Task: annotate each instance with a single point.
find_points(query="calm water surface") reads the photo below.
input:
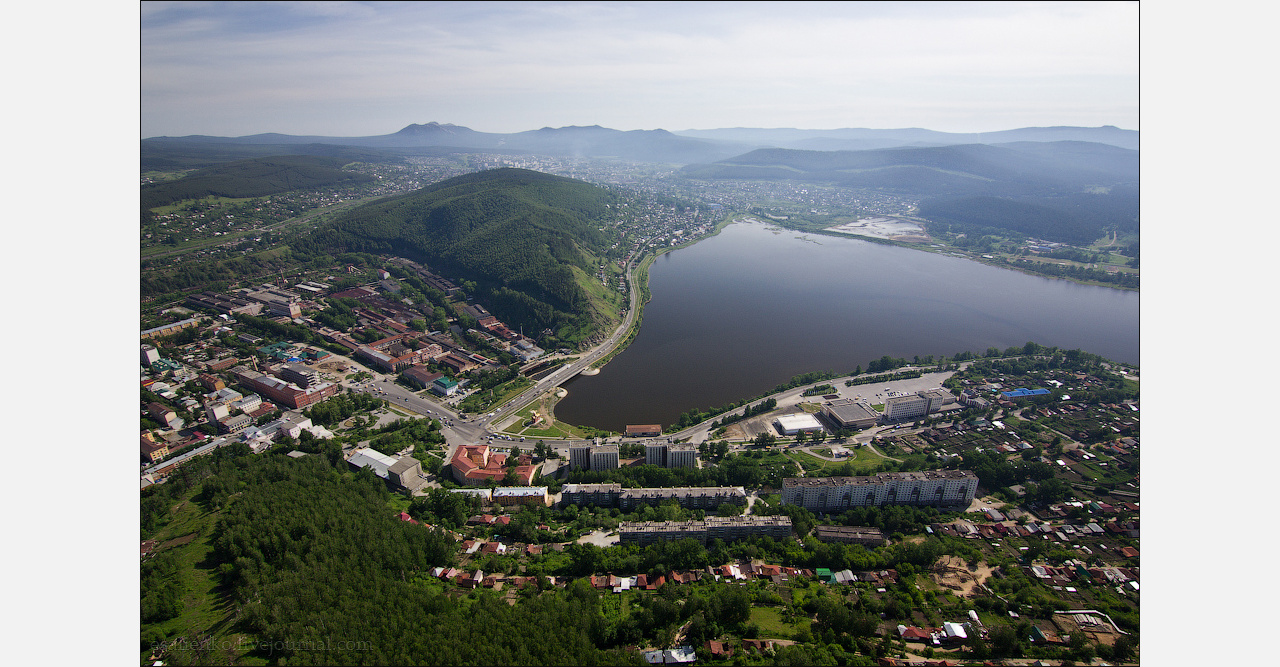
(739, 313)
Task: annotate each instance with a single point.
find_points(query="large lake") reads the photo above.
(737, 314)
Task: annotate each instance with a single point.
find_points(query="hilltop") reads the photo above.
(527, 240)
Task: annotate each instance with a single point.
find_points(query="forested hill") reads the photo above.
(255, 177)
(515, 233)
(1021, 168)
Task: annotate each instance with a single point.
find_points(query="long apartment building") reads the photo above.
(689, 497)
(864, 535)
(710, 528)
(836, 494)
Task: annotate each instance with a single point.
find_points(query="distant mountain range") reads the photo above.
(686, 147)
(1060, 183)
(866, 139)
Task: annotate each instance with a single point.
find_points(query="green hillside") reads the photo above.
(516, 234)
(257, 177)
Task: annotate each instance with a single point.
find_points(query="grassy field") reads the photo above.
(772, 625)
(210, 200)
(863, 460)
(556, 430)
(206, 607)
(544, 429)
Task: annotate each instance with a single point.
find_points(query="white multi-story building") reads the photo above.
(604, 457)
(682, 456)
(671, 456)
(906, 406)
(835, 494)
(579, 457)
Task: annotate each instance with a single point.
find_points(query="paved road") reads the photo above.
(568, 371)
(477, 429)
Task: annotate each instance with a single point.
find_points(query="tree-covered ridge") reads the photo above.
(1007, 169)
(256, 177)
(516, 233)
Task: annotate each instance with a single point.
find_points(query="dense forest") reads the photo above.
(314, 569)
(1078, 219)
(256, 177)
(517, 234)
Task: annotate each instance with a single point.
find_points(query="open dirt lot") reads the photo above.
(953, 573)
(1099, 633)
(884, 227)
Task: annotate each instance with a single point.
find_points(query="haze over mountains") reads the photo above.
(685, 147)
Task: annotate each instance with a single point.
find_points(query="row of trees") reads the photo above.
(748, 412)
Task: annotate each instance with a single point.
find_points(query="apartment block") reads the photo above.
(836, 494)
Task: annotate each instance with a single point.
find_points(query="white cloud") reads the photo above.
(646, 65)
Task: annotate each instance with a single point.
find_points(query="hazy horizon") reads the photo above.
(674, 131)
(365, 69)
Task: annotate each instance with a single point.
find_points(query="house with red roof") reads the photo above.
(719, 649)
(475, 465)
(472, 580)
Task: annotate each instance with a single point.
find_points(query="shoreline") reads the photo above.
(949, 251)
(639, 277)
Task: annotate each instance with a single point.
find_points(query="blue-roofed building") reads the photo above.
(1023, 393)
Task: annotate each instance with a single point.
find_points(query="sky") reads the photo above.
(369, 68)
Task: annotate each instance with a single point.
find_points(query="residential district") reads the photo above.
(1027, 457)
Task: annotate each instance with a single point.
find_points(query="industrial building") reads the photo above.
(850, 413)
(797, 423)
(835, 494)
